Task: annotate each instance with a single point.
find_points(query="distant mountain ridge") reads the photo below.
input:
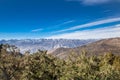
(45, 44)
(111, 45)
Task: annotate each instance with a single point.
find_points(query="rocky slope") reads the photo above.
(111, 45)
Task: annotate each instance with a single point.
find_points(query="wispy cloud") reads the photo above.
(36, 30)
(67, 22)
(61, 24)
(117, 25)
(107, 11)
(94, 2)
(107, 32)
(91, 24)
(64, 23)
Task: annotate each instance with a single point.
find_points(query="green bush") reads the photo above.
(42, 66)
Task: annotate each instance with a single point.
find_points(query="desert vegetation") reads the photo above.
(43, 66)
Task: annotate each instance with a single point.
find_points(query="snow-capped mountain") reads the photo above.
(45, 44)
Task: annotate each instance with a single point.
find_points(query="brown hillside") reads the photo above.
(96, 48)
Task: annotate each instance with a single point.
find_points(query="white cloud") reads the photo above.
(94, 2)
(36, 30)
(92, 24)
(117, 25)
(107, 32)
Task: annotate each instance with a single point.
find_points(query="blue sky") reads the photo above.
(70, 19)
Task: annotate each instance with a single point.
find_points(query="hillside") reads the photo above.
(96, 48)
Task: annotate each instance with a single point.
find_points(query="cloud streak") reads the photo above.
(37, 30)
(64, 23)
(94, 2)
(107, 32)
(91, 24)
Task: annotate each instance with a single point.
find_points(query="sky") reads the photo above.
(68, 19)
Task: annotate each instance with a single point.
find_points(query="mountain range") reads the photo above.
(63, 47)
(45, 44)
